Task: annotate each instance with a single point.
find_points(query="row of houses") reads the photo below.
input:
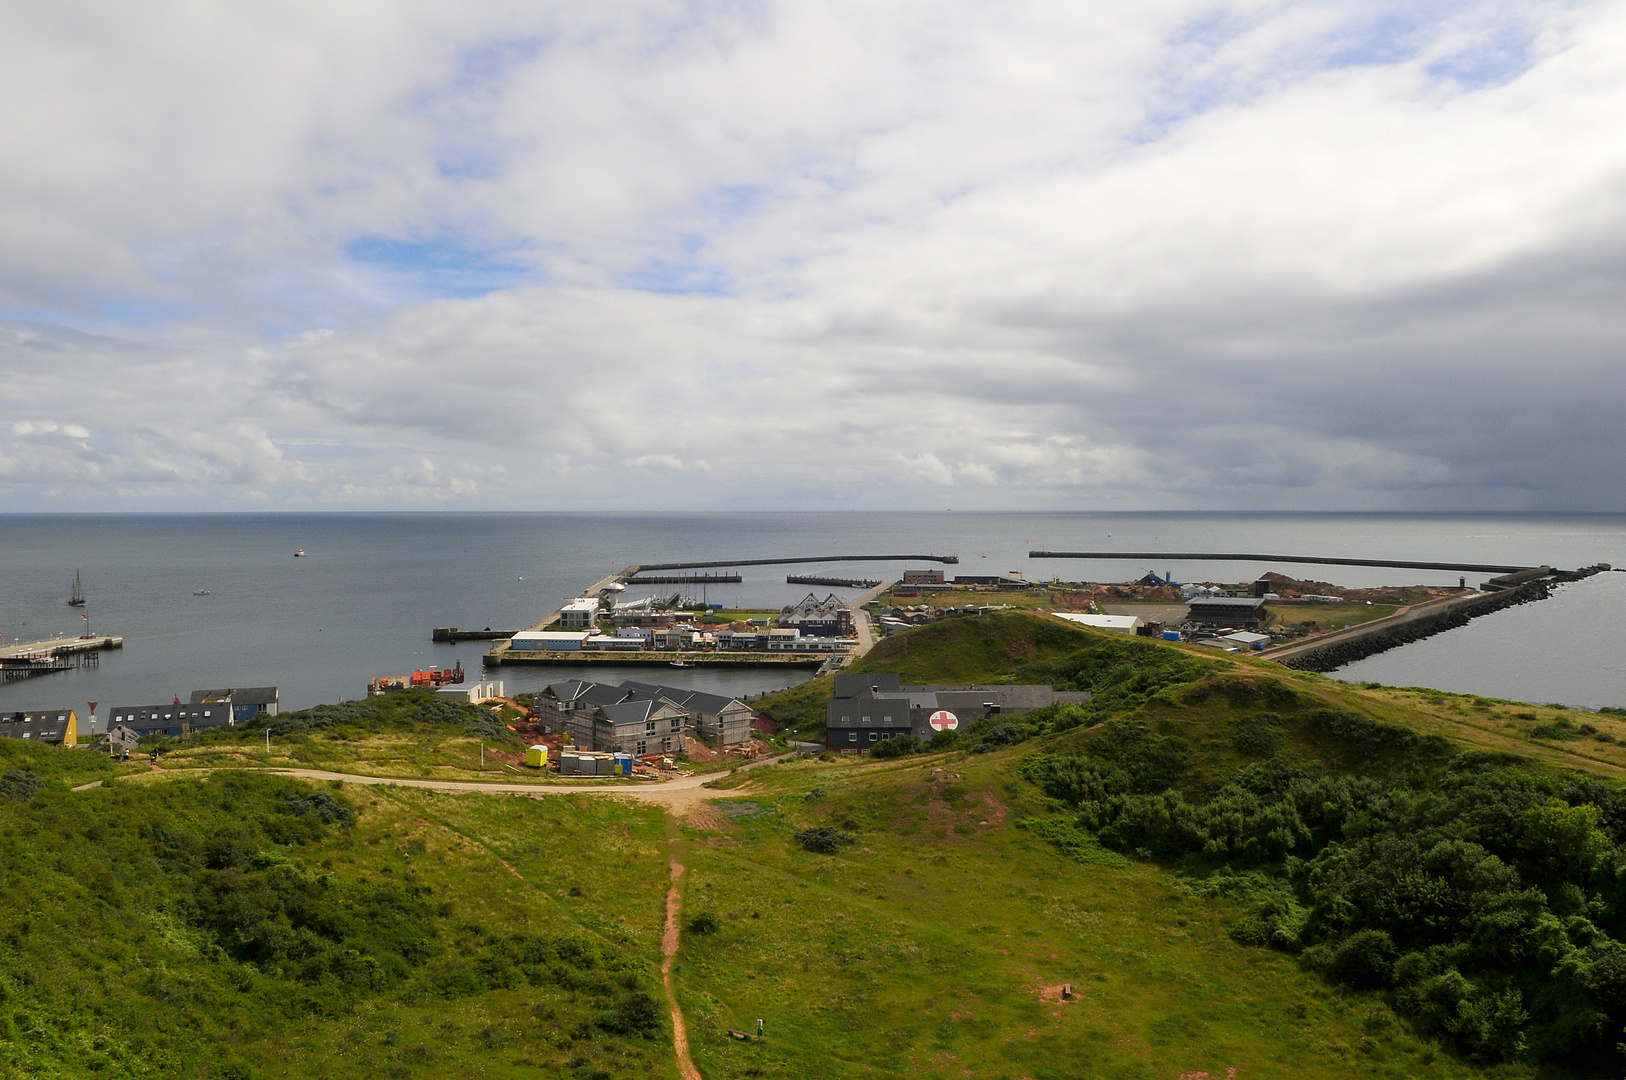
(640, 718)
(868, 709)
(206, 709)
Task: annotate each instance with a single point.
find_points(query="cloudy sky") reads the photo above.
(745, 253)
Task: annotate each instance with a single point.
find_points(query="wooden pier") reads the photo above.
(24, 661)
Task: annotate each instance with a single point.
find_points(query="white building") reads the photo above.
(580, 613)
(1124, 624)
(473, 693)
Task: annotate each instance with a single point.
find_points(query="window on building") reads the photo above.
(643, 748)
(666, 744)
(852, 736)
(677, 725)
(649, 727)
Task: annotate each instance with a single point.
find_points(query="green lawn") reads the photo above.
(938, 943)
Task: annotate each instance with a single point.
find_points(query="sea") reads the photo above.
(207, 601)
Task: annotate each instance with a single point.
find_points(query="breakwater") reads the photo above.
(831, 582)
(643, 568)
(1425, 620)
(1314, 560)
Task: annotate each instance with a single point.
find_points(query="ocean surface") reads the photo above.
(373, 586)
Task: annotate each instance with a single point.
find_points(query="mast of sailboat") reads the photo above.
(77, 599)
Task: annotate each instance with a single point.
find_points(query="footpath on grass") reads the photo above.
(678, 795)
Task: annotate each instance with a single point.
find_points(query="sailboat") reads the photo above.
(77, 598)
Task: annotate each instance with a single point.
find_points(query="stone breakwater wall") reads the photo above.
(1351, 647)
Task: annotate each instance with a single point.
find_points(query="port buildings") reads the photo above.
(868, 709)
(598, 716)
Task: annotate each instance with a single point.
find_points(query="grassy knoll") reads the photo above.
(248, 926)
(938, 943)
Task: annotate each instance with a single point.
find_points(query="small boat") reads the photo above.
(77, 597)
(300, 554)
(200, 592)
(681, 663)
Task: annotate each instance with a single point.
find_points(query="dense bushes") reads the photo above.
(824, 840)
(1486, 898)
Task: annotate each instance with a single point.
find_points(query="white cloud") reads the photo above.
(647, 254)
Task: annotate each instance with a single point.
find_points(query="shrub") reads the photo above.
(901, 746)
(706, 922)
(1258, 736)
(824, 840)
(1365, 960)
(20, 785)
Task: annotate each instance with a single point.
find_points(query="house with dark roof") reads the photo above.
(175, 720)
(246, 701)
(868, 709)
(53, 727)
(717, 719)
(639, 727)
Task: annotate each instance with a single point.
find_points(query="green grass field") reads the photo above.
(938, 945)
(1173, 850)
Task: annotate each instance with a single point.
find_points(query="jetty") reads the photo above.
(25, 660)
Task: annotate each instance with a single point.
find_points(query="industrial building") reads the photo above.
(53, 727)
(870, 708)
(1235, 611)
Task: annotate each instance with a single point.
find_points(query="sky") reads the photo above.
(813, 255)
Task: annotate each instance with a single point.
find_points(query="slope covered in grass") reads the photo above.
(250, 926)
(1457, 859)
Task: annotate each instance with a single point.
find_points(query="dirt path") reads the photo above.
(680, 795)
(669, 947)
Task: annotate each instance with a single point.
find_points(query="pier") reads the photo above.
(24, 661)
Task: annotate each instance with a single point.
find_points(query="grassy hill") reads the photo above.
(1235, 866)
(246, 925)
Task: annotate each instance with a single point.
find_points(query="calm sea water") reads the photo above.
(373, 586)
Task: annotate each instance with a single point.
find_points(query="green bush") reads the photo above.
(824, 840)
